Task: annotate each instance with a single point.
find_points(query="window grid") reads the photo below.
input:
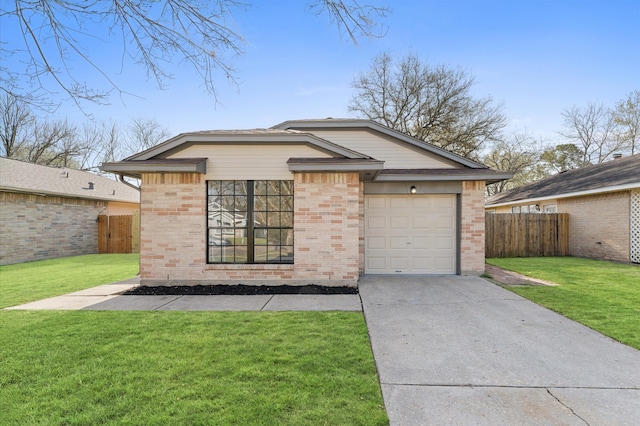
(261, 218)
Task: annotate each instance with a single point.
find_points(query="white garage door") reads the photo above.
(410, 234)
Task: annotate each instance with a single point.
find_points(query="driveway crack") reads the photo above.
(566, 406)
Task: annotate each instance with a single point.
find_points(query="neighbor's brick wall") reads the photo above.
(326, 233)
(472, 228)
(598, 225)
(35, 227)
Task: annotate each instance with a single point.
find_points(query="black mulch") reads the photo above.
(241, 289)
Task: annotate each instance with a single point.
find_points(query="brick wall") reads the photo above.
(34, 227)
(598, 225)
(326, 233)
(472, 228)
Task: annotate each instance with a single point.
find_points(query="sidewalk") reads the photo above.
(108, 297)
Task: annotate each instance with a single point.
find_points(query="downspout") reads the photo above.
(121, 179)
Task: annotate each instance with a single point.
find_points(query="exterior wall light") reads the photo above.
(413, 189)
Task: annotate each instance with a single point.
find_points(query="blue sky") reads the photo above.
(537, 58)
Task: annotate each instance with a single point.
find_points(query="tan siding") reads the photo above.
(395, 155)
(117, 209)
(249, 161)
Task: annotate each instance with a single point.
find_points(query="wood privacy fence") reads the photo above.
(119, 234)
(526, 234)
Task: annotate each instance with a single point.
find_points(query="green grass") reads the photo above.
(187, 368)
(602, 295)
(31, 281)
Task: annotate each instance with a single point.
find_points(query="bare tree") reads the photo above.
(433, 104)
(52, 144)
(55, 37)
(519, 154)
(16, 121)
(626, 116)
(592, 130)
(144, 133)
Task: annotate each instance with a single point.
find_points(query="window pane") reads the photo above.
(286, 237)
(286, 187)
(286, 203)
(273, 254)
(260, 203)
(273, 187)
(213, 187)
(286, 219)
(260, 187)
(260, 237)
(273, 204)
(260, 254)
(273, 219)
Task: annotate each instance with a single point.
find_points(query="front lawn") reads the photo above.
(27, 282)
(145, 368)
(602, 295)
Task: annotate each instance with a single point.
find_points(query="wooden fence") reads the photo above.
(119, 234)
(527, 234)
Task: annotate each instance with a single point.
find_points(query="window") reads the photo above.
(250, 221)
(550, 208)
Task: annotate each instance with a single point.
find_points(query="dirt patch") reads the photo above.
(504, 277)
(240, 289)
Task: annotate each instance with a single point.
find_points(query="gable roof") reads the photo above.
(19, 176)
(250, 136)
(354, 123)
(619, 174)
(299, 132)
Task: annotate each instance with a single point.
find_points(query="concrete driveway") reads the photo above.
(463, 351)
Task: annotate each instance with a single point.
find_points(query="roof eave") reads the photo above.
(463, 175)
(135, 168)
(605, 190)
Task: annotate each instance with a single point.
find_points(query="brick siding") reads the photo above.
(326, 233)
(35, 227)
(472, 228)
(598, 225)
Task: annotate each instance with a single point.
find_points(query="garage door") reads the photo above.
(413, 234)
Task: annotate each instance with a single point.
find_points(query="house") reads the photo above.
(49, 212)
(312, 202)
(603, 202)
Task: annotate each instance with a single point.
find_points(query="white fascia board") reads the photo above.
(605, 190)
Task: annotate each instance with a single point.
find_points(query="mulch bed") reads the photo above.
(240, 289)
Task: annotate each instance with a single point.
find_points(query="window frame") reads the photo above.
(250, 222)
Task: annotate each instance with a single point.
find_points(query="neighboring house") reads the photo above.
(603, 202)
(49, 212)
(318, 202)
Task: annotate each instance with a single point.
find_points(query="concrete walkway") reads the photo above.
(463, 351)
(108, 298)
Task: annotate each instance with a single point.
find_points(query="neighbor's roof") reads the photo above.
(18, 176)
(614, 175)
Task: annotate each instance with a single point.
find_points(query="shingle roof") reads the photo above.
(18, 176)
(604, 176)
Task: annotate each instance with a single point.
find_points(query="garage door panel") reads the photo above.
(399, 263)
(377, 264)
(399, 202)
(376, 202)
(410, 234)
(399, 222)
(376, 243)
(377, 222)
